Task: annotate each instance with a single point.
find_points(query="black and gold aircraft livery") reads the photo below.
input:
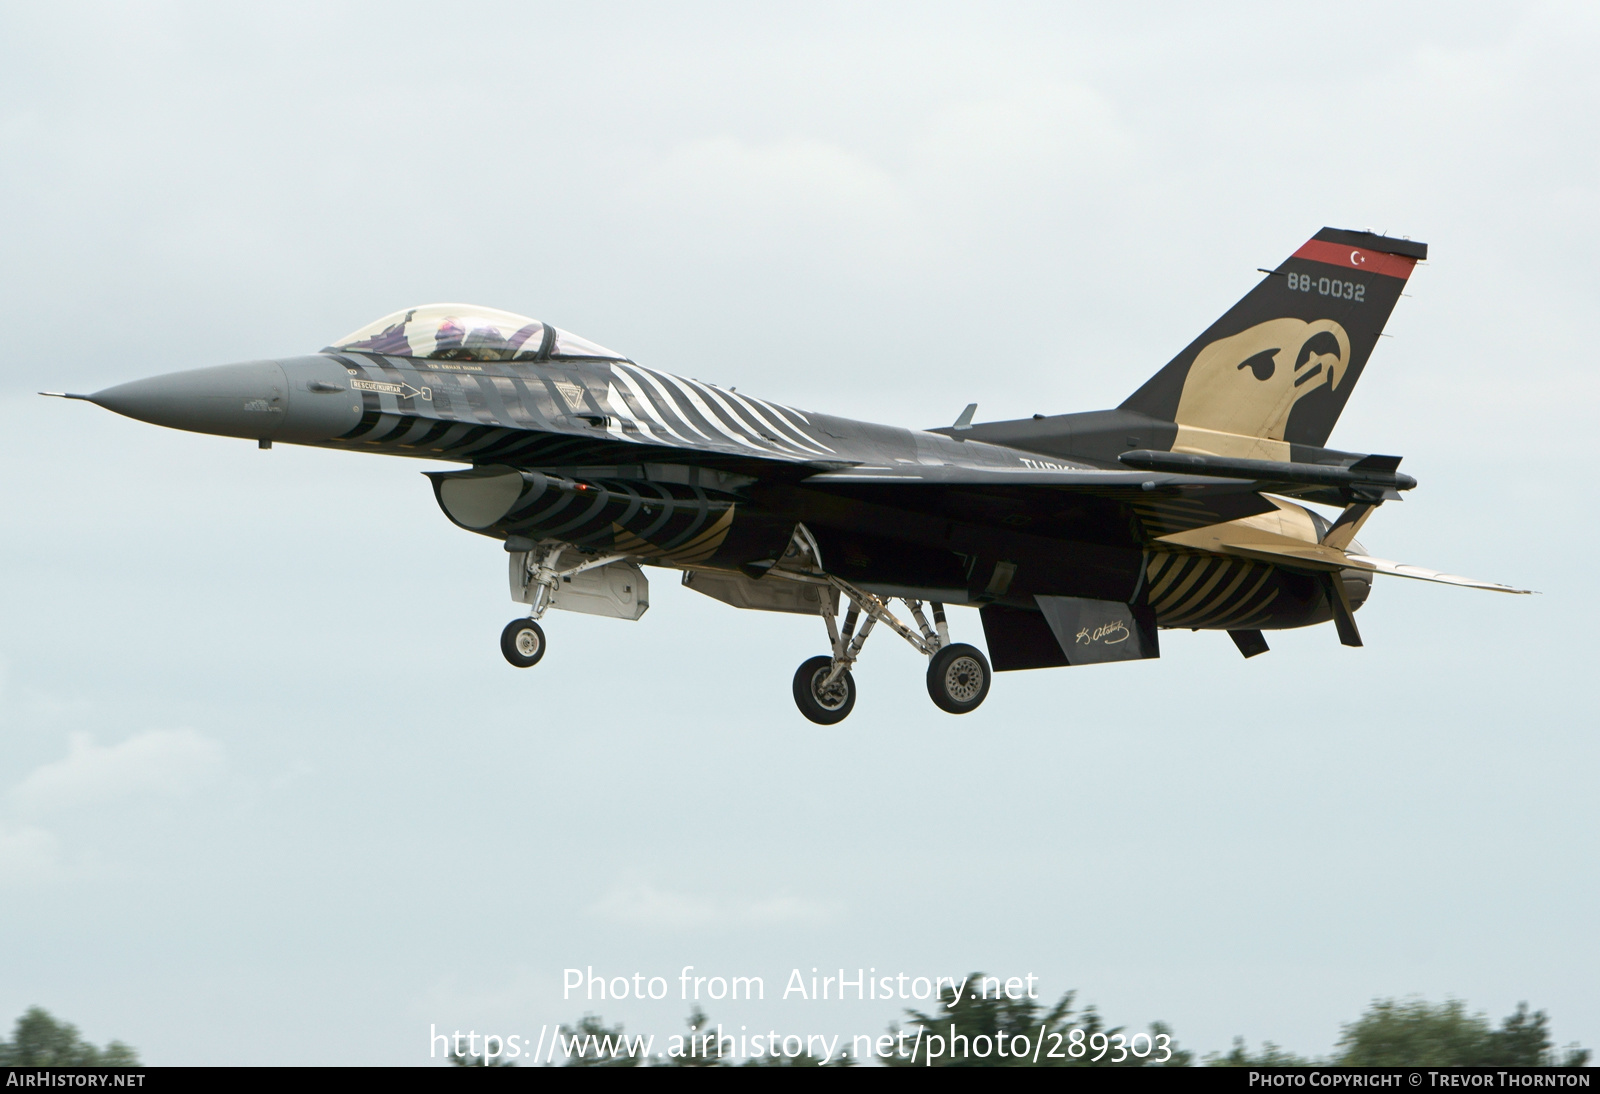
(1079, 537)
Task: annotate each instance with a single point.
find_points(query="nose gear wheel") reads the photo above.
(523, 643)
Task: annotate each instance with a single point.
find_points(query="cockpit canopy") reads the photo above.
(465, 332)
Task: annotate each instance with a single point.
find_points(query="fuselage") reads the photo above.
(608, 455)
(1077, 536)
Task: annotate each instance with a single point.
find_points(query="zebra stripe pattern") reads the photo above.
(669, 523)
(1208, 592)
(714, 414)
(495, 412)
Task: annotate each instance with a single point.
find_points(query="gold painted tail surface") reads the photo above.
(1278, 368)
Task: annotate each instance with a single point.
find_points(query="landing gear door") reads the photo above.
(617, 591)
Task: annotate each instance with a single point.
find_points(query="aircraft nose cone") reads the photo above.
(248, 400)
(300, 399)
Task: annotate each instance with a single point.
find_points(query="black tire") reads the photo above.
(523, 643)
(829, 709)
(958, 678)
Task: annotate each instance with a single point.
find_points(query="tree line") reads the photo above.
(1390, 1033)
(39, 1039)
(992, 1032)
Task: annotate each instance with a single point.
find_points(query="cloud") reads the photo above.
(1032, 137)
(721, 196)
(27, 854)
(951, 179)
(644, 905)
(782, 178)
(160, 763)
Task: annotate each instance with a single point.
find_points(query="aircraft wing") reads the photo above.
(1049, 501)
(1074, 478)
(1185, 510)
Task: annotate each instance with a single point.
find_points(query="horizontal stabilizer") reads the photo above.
(1400, 569)
(1264, 546)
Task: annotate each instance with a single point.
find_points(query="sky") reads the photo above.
(270, 795)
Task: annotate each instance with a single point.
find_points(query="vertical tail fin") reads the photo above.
(1277, 369)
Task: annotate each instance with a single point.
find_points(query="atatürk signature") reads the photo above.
(1108, 633)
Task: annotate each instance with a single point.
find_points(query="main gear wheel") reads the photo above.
(958, 678)
(824, 704)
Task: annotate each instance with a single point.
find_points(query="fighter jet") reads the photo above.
(1078, 537)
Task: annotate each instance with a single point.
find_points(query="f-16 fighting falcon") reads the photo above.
(1079, 537)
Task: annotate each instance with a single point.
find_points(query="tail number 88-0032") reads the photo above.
(1328, 286)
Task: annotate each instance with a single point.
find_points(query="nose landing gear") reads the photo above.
(536, 574)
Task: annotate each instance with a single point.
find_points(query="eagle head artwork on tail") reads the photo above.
(1277, 369)
(1248, 383)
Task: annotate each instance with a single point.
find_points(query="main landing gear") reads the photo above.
(958, 682)
(824, 690)
(824, 696)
